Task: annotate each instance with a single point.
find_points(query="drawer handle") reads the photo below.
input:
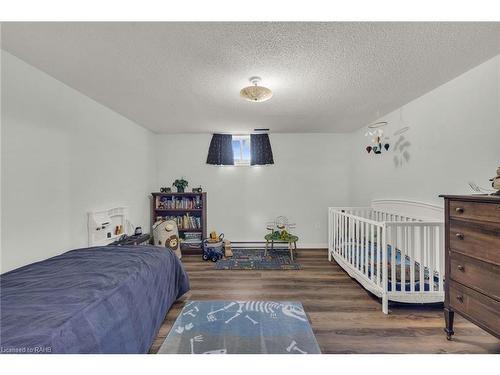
(460, 236)
(460, 298)
(460, 210)
(460, 267)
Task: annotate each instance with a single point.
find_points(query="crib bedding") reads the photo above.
(109, 299)
(398, 282)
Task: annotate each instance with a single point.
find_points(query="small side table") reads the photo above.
(292, 243)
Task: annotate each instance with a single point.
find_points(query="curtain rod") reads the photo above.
(241, 134)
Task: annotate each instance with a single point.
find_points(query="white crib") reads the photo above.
(414, 273)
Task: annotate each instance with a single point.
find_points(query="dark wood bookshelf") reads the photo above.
(197, 212)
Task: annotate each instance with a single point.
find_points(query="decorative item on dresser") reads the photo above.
(189, 211)
(472, 286)
(495, 182)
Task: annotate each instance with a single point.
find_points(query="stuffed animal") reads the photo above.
(495, 182)
(166, 234)
(172, 242)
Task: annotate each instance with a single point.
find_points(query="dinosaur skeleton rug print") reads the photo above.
(241, 327)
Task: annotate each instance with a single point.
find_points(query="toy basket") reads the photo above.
(213, 250)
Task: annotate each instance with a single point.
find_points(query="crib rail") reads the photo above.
(421, 245)
(362, 239)
(375, 215)
(351, 230)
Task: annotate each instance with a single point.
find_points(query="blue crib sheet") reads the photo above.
(365, 252)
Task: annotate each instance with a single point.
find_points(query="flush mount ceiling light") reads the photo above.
(256, 93)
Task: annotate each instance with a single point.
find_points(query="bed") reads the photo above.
(395, 249)
(109, 299)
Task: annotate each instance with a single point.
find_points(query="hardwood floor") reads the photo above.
(345, 318)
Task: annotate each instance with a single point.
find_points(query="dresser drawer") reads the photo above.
(475, 211)
(481, 276)
(477, 240)
(475, 306)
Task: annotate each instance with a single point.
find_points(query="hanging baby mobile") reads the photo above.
(379, 143)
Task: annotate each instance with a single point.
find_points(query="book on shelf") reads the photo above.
(185, 221)
(173, 203)
(188, 211)
(190, 245)
(192, 236)
(191, 241)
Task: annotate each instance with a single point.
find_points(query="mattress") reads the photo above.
(109, 299)
(429, 283)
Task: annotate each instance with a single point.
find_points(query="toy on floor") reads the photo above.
(213, 247)
(279, 231)
(214, 237)
(280, 228)
(166, 234)
(228, 251)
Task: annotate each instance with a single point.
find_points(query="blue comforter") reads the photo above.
(94, 300)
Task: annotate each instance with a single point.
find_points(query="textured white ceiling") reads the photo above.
(186, 77)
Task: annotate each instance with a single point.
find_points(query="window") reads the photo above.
(241, 150)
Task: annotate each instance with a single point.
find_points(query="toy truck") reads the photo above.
(213, 250)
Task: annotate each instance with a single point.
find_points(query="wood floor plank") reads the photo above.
(345, 317)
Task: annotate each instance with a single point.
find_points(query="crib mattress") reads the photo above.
(428, 284)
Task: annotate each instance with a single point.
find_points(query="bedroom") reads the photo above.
(311, 220)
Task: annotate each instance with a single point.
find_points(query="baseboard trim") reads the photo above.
(260, 244)
(312, 246)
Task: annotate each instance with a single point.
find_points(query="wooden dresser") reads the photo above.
(472, 286)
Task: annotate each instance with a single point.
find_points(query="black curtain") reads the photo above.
(260, 150)
(221, 150)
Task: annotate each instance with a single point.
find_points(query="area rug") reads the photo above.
(241, 327)
(254, 259)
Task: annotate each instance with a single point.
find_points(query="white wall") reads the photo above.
(310, 173)
(63, 154)
(454, 137)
